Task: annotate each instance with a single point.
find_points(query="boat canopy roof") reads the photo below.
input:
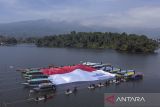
(129, 74)
(38, 79)
(45, 84)
(90, 63)
(33, 71)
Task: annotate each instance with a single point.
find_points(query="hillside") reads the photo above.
(39, 28)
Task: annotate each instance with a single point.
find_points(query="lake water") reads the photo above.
(13, 94)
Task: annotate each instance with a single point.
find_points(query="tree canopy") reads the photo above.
(7, 40)
(119, 41)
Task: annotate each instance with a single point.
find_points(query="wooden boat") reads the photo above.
(137, 76)
(90, 63)
(45, 97)
(36, 76)
(129, 73)
(68, 92)
(29, 73)
(45, 87)
(117, 82)
(101, 66)
(98, 66)
(100, 85)
(115, 70)
(39, 99)
(36, 82)
(92, 87)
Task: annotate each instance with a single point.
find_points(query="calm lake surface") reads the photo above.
(13, 94)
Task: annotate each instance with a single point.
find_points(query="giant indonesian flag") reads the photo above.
(77, 73)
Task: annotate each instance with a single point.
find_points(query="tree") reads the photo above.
(121, 42)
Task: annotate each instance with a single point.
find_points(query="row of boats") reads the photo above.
(123, 74)
(38, 82)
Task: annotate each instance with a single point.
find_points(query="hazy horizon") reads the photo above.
(139, 16)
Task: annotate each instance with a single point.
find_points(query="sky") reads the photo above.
(103, 13)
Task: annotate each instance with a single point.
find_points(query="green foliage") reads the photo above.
(27, 40)
(121, 42)
(7, 40)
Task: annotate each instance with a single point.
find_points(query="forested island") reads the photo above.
(118, 41)
(7, 40)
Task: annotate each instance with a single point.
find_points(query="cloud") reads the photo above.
(68, 10)
(103, 13)
(146, 17)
